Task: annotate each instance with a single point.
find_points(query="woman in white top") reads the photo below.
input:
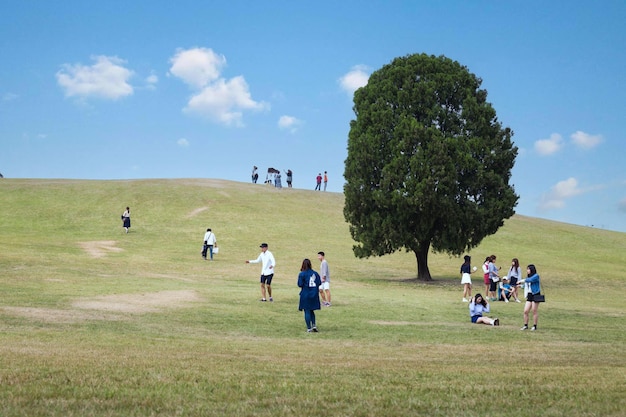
(515, 274)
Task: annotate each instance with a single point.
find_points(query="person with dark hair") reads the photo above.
(289, 178)
(532, 289)
(255, 174)
(486, 279)
(267, 270)
(477, 307)
(210, 242)
(325, 275)
(309, 282)
(515, 274)
(494, 278)
(325, 179)
(466, 278)
(126, 219)
(318, 182)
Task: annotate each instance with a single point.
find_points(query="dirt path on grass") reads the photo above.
(100, 248)
(109, 307)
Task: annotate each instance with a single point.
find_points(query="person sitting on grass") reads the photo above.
(506, 290)
(477, 307)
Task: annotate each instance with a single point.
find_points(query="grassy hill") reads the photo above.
(94, 321)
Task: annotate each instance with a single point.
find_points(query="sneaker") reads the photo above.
(465, 300)
(263, 299)
(524, 327)
(271, 299)
(506, 300)
(517, 300)
(314, 329)
(309, 330)
(532, 329)
(496, 322)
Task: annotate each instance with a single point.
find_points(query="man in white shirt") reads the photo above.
(267, 270)
(209, 242)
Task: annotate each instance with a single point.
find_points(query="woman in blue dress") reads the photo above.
(309, 282)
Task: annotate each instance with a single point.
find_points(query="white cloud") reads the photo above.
(197, 66)
(182, 142)
(216, 98)
(222, 101)
(563, 190)
(289, 123)
(586, 141)
(151, 81)
(106, 78)
(355, 79)
(549, 146)
(9, 96)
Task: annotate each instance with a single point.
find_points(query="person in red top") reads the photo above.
(318, 187)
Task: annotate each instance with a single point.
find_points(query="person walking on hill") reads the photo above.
(267, 270)
(325, 276)
(126, 219)
(210, 241)
(309, 282)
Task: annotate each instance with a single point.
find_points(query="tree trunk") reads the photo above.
(423, 273)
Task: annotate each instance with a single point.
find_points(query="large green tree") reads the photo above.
(428, 162)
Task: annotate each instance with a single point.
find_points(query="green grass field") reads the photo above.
(96, 322)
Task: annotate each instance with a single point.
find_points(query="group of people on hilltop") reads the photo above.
(501, 288)
(274, 177)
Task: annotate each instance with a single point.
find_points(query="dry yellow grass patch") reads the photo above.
(100, 248)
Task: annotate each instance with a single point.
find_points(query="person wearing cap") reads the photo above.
(267, 270)
(325, 276)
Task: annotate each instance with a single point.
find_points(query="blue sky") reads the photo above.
(191, 89)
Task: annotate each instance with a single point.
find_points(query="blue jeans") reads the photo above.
(309, 318)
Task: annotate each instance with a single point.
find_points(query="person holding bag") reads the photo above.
(532, 290)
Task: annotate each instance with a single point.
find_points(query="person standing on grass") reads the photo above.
(267, 270)
(493, 278)
(325, 180)
(209, 242)
(466, 278)
(486, 279)
(289, 178)
(318, 182)
(515, 274)
(325, 276)
(126, 219)
(532, 289)
(255, 174)
(477, 307)
(309, 281)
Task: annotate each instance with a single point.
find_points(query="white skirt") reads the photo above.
(466, 278)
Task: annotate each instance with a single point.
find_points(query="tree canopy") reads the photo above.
(428, 162)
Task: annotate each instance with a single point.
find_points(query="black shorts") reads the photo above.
(493, 286)
(267, 279)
